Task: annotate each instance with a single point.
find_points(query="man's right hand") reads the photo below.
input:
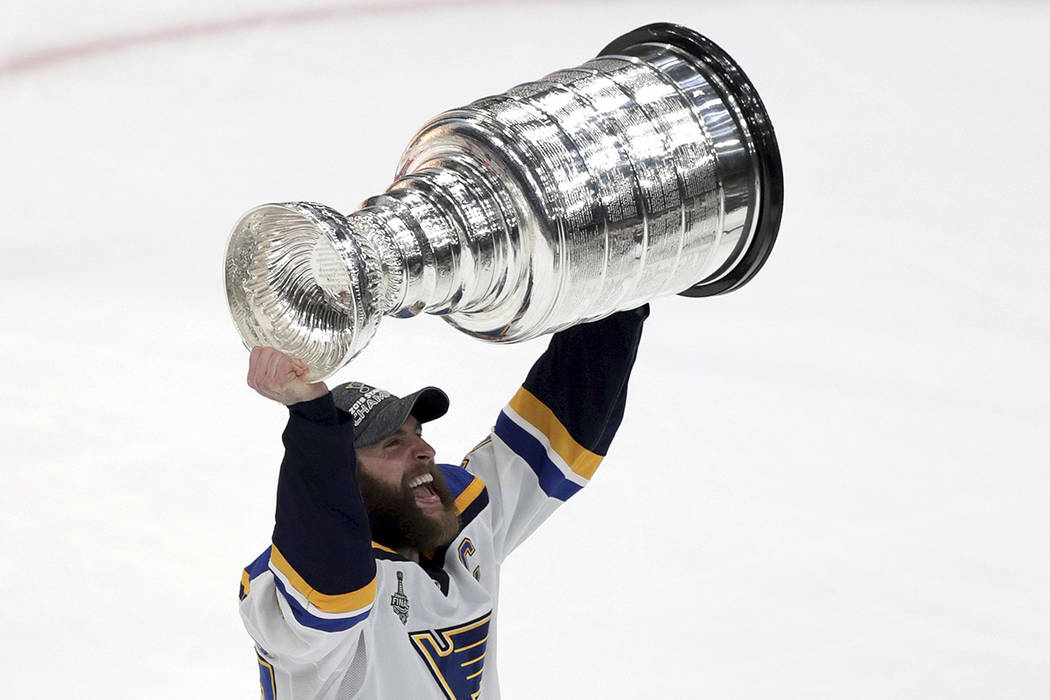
(280, 377)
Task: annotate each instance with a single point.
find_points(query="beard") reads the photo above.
(398, 522)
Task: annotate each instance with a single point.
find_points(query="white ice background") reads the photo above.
(832, 483)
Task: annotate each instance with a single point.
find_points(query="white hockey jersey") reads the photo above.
(386, 627)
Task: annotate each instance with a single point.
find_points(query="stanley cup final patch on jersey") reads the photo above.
(455, 656)
(399, 601)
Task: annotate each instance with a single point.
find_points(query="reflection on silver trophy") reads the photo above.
(651, 170)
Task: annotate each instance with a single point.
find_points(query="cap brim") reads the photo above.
(427, 404)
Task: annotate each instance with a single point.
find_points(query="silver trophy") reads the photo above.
(650, 170)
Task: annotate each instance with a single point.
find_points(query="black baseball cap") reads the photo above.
(377, 413)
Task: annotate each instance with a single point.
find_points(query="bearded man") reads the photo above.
(383, 573)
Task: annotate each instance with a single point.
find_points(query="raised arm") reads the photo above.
(581, 381)
(551, 437)
(319, 574)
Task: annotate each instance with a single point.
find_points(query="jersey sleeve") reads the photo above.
(549, 440)
(306, 597)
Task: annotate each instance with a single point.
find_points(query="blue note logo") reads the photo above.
(455, 656)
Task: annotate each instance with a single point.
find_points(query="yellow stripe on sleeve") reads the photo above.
(246, 581)
(472, 491)
(579, 458)
(341, 603)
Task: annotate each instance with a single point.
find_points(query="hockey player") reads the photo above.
(383, 573)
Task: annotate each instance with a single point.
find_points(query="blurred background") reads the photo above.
(831, 483)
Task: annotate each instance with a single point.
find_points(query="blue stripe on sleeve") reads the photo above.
(324, 624)
(552, 481)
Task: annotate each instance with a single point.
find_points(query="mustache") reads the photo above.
(431, 468)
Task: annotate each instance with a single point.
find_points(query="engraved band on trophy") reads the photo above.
(650, 170)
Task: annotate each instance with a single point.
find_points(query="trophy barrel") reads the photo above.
(649, 170)
(737, 90)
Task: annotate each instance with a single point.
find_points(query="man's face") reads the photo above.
(408, 503)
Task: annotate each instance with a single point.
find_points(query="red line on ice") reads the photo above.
(49, 56)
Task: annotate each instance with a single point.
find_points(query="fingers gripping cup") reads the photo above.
(650, 170)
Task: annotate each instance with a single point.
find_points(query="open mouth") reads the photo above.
(423, 491)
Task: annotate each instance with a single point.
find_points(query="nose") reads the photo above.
(422, 450)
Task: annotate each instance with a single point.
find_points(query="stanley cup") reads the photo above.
(650, 170)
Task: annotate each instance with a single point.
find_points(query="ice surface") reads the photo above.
(829, 484)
